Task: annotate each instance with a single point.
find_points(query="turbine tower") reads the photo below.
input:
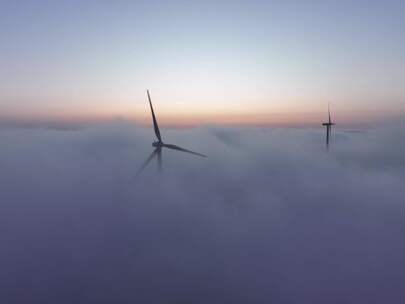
(328, 126)
(159, 144)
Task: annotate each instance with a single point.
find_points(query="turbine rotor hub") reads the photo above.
(157, 144)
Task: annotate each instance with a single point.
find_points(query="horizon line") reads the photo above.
(273, 120)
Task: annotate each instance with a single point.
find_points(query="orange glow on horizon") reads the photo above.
(185, 119)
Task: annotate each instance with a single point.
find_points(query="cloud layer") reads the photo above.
(269, 216)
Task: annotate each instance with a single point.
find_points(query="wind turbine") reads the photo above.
(159, 144)
(328, 125)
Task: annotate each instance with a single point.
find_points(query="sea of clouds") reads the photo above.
(269, 217)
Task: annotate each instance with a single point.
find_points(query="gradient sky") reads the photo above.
(211, 61)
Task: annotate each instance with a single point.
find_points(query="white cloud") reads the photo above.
(269, 216)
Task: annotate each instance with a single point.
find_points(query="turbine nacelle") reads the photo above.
(157, 144)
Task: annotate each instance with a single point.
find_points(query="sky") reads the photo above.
(268, 217)
(206, 62)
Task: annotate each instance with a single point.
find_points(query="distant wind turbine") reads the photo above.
(159, 144)
(328, 125)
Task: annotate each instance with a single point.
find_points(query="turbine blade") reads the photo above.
(146, 163)
(330, 131)
(174, 147)
(155, 124)
(330, 121)
(159, 158)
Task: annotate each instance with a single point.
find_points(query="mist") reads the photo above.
(270, 216)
